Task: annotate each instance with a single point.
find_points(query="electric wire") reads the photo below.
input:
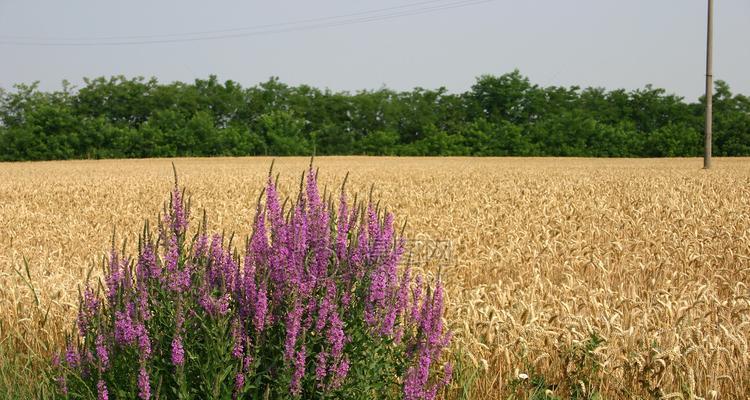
(260, 30)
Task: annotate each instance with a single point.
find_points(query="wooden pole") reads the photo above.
(709, 87)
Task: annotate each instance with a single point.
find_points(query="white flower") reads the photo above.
(523, 376)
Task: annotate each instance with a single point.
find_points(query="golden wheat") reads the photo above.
(651, 255)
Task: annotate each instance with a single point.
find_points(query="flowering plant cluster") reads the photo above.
(316, 307)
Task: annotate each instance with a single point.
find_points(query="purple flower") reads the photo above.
(142, 300)
(178, 354)
(86, 362)
(386, 328)
(201, 246)
(274, 207)
(307, 268)
(171, 261)
(416, 297)
(239, 383)
(403, 290)
(101, 389)
(261, 309)
(417, 376)
(179, 214)
(297, 250)
(147, 266)
(144, 342)
(379, 236)
(342, 228)
(434, 325)
(359, 254)
(282, 257)
(211, 305)
(72, 357)
(144, 386)
(256, 252)
(182, 278)
(101, 351)
(378, 287)
(396, 307)
(215, 261)
(320, 367)
(223, 304)
(89, 305)
(114, 275)
(293, 320)
(318, 230)
(238, 337)
(336, 336)
(246, 363)
(340, 371)
(398, 334)
(125, 332)
(60, 379)
(299, 372)
(326, 305)
(430, 325)
(346, 299)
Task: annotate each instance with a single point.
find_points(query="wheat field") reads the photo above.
(611, 278)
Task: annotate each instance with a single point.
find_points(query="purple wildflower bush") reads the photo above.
(316, 307)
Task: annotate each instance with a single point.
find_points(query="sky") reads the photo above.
(354, 44)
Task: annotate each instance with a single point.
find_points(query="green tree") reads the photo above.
(283, 133)
(499, 115)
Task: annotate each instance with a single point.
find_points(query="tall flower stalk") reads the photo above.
(316, 307)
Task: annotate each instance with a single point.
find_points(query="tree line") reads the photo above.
(505, 115)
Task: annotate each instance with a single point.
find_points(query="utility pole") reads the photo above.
(709, 87)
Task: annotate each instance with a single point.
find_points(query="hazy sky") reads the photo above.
(609, 43)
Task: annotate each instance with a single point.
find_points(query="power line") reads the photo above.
(259, 30)
(220, 31)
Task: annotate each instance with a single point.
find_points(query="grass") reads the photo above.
(651, 257)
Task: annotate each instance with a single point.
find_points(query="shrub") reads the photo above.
(315, 308)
